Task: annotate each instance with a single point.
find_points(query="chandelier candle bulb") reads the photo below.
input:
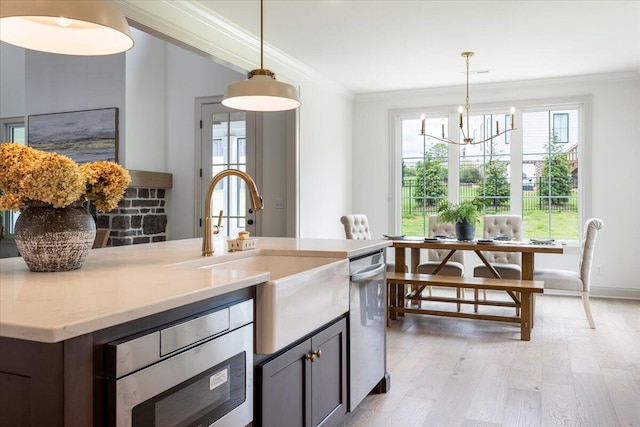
(422, 131)
(512, 110)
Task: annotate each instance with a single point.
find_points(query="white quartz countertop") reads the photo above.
(120, 284)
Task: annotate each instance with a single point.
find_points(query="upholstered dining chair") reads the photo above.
(568, 280)
(356, 227)
(455, 265)
(507, 264)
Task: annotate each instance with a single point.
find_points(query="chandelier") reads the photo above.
(464, 113)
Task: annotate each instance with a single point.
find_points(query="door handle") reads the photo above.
(368, 272)
(313, 355)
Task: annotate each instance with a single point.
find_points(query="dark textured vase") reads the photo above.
(465, 230)
(54, 239)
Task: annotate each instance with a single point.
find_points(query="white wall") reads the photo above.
(325, 118)
(189, 76)
(146, 100)
(41, 83)
(615, 153)
(325, 161)
(12, 77)
(60, 83)
(273, 177)
(160, 83)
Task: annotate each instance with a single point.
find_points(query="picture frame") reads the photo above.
(84, 136)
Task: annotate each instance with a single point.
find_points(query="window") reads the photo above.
(227, 140)
(12, 129)
(507, 125)
(533, 172)
(484, 168)
(424, 172)
(550, 196)
(561, 127)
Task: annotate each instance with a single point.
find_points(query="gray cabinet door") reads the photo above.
(286, 389)
(328, 376)
(300, 391)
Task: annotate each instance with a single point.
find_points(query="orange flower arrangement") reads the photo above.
(28, 174)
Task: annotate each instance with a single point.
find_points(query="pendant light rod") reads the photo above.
(261, 37)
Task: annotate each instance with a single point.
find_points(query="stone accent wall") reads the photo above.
(139, 218)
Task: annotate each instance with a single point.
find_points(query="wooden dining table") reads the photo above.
(416, 244)
(525, 248)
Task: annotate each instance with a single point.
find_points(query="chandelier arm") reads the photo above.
(464, 135)
(493, 136)
(447, 140)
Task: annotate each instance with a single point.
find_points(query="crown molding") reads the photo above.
(199, 28)
(592, 78)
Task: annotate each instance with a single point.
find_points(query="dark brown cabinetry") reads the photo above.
(63, 384)
(306, 385)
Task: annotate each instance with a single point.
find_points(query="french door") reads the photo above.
(228, 141)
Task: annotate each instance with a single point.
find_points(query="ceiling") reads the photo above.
(377, 45)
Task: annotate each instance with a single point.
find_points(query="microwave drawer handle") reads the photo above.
(367, 272)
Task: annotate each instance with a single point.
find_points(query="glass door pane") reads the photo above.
(225, 147)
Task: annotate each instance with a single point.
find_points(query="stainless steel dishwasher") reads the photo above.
(367, 327)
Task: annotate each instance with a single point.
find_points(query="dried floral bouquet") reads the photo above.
(27, 174)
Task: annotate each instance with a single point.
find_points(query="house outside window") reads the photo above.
(531, 174)
(561, 127)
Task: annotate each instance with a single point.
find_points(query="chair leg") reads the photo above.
(587, 309)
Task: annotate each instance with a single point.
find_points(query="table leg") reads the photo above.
(525, 316)
(415, 261)
(527, 265)
(391, 302)
(400, 259)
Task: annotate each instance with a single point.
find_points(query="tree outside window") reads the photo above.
(535, 168)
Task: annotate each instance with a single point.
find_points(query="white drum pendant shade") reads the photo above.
(69, 27)
(261, 93)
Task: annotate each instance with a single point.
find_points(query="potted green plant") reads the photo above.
(464, 215)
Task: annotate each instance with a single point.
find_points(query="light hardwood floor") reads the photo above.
(465, 372)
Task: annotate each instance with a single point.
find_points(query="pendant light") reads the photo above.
(69, 27)
(261, 91)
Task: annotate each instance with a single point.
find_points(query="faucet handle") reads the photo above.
(216, 228)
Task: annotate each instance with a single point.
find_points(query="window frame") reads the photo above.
(6, 124)
(582, 103)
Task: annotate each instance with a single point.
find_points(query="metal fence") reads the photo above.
(413, 205)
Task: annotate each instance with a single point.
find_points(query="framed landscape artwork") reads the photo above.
(85, 136)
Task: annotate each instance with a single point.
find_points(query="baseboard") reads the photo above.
(625, 293)
(602, 292)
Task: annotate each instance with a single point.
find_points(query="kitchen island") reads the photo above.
(65, 318)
